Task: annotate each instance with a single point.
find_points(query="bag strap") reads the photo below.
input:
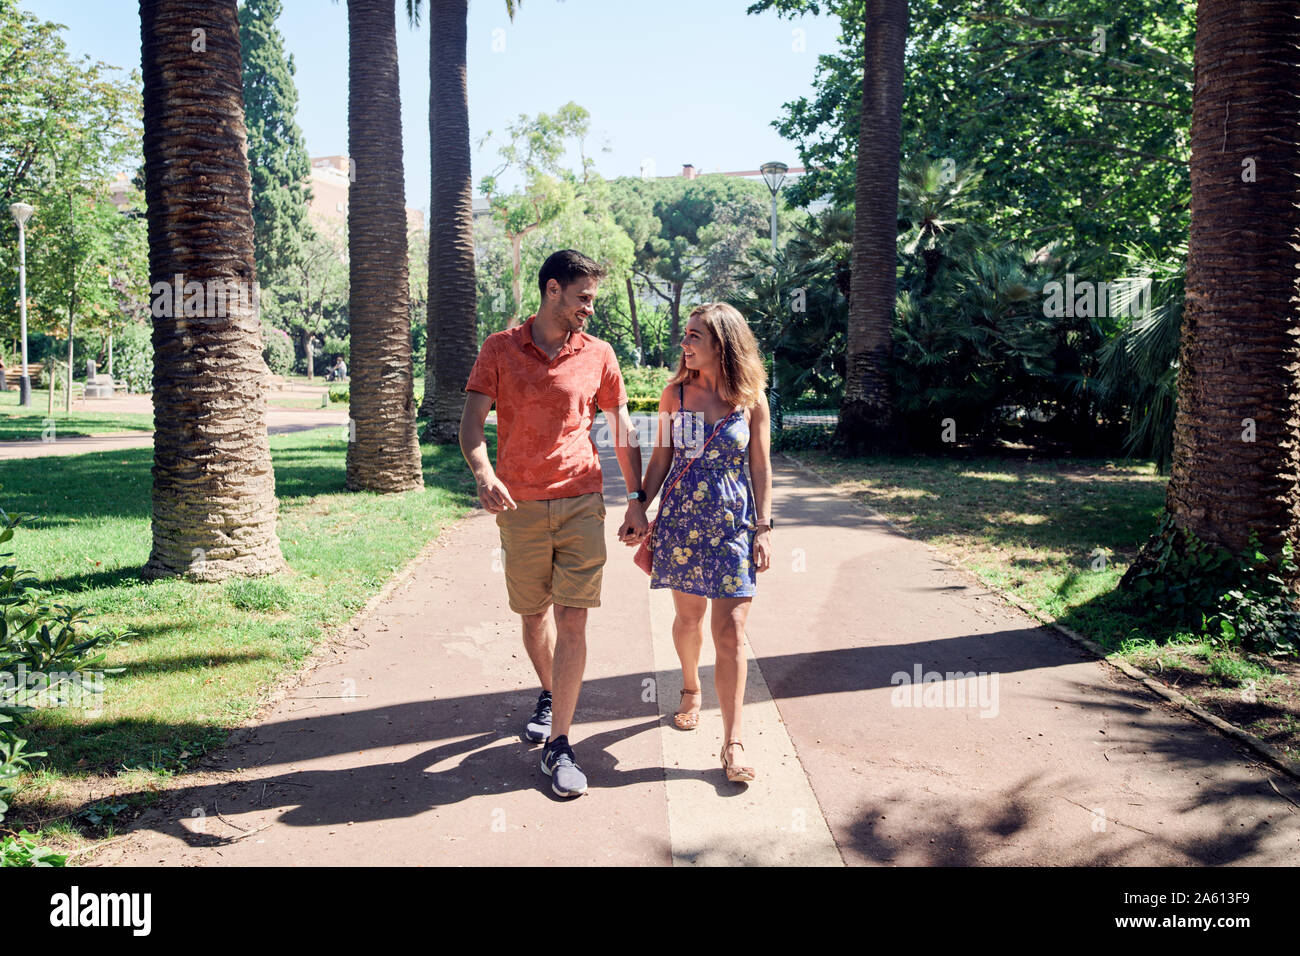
(717, 425)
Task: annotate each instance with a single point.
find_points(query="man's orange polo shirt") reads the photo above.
(545, 410)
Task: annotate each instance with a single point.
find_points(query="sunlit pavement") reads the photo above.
(897, 713)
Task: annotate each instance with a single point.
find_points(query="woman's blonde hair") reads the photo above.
(743, 377)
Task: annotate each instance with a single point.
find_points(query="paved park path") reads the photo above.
(400, 745)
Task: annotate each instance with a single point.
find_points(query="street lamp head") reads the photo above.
(773, 175)
(21, 212)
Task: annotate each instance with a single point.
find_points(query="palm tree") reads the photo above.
(214, 504)
(452, 313)
(1137, 366)
(936, 204)
(867, 415)
(383, 449)
(1235, 467)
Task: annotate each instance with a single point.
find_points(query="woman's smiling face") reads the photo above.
(698, 347)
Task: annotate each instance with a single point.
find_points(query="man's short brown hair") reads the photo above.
(566, 266)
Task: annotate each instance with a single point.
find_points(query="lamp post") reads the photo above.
(774, 176)
(21, 213)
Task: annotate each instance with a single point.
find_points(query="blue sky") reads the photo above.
(667, 81)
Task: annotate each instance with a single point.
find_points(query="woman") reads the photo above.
(713, 533)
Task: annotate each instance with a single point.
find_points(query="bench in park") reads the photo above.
(13, 374)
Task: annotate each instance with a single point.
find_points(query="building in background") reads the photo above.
(691, 172)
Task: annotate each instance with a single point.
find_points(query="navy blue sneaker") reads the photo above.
(538, 727)
(567, 778)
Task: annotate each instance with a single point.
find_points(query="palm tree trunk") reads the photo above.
(307, 353)
(214, 505)
(867, 414)
(1237, 427)
(453, 312)
(383, 451)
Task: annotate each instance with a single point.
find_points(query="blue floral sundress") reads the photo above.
(704, 532)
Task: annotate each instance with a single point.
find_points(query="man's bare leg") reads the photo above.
(569, 661)
(539, 642)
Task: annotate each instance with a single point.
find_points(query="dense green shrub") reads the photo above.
(974, 339)
(645, 380)
(1137, 367)
(38, 640)
(797, 304)
(277, 350)
(803, 437)
(133, 357)
(974, 346)
(1241, 600)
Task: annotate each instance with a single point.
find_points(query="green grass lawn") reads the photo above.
(34, 422)
(203, 654)
(1058, 535)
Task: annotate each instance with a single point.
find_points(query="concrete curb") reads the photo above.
(1253, 743)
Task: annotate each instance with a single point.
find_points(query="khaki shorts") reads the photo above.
(554, 552)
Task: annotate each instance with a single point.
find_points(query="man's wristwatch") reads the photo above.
(636, 496)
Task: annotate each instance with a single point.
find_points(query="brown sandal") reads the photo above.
(736, 774)
(688, 721)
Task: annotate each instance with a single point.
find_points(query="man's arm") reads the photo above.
(492, 492)
(627, 449)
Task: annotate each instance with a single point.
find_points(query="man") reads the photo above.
(546, 377)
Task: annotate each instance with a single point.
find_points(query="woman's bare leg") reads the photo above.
(688, 638)
(728, 623)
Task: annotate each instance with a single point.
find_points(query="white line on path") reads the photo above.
(774, 821)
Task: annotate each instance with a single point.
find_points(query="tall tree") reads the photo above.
(452, 341)
(68, 125)
(214, 504)
(312, 295)
(867, 414)
(452, 313)
(689, 236)
(277, 155)
(1076, 112)
(383, 449)
(534, 150)
(1236, 462)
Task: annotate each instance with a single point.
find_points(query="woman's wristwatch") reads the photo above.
(767, 523)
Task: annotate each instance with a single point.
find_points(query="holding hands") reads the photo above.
(635, 526)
